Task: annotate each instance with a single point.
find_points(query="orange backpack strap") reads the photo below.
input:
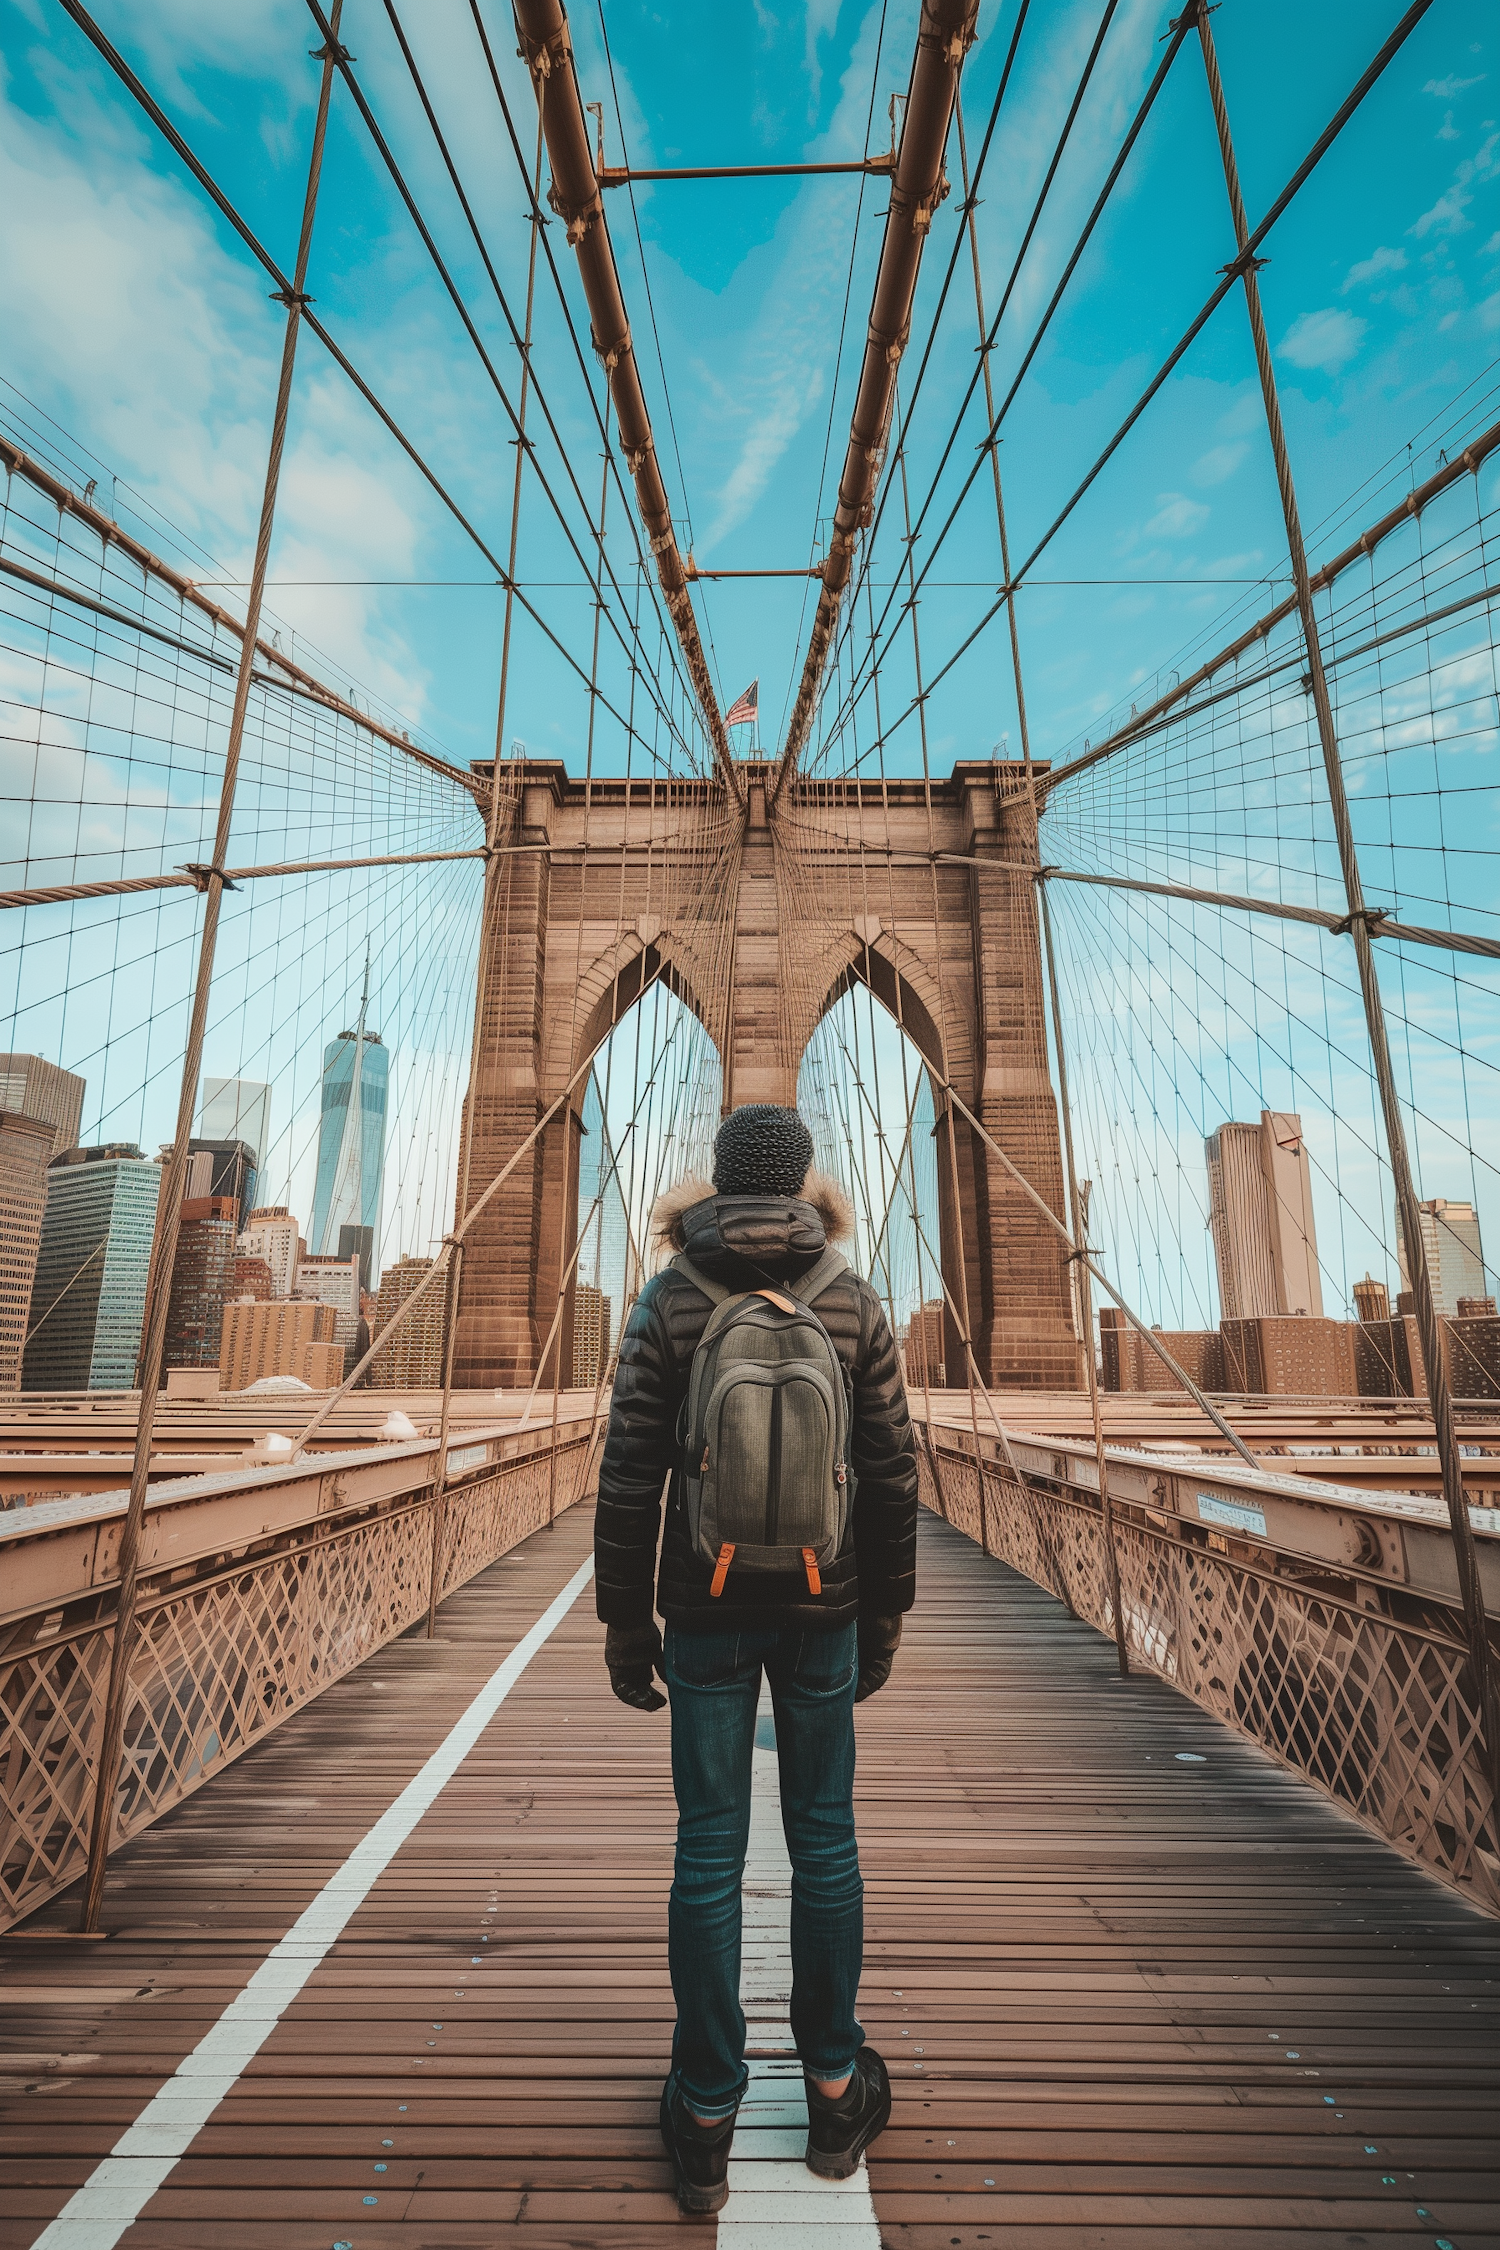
(810, 1565)
(721, 1568)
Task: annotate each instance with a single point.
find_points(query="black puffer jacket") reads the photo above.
(744, 1241)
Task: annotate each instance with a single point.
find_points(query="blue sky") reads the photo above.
(131, 315)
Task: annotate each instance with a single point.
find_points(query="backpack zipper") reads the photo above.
(773, 1471)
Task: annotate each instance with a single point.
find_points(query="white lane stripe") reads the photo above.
(775, 2203)
(119, 2188)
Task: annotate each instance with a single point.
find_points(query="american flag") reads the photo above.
(747, 710)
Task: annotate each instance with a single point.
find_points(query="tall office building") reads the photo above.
(237, 1109)
(90, 1292)
(359, 1242)
(25, 1153)
(922, 1347)
(34, 1088)
(202, 1280)
(218, 1169)
(1455, 1258)
(351, 1133)
(261, 1338)
(413, 1359)
(1261, 1214)
(591, 1335)
(333, 1282)
(273, 1234)
(40, 1109)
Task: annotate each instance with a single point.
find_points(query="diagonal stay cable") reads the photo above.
(982, 451)
(387, 155)
(1231, 275)
(528, 358)
(1038, 206)
(134, 86)
(629, 515)
(838, 357)
(538, 390)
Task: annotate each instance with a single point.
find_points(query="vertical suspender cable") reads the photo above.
(1078, 1213)
(488, 934)
(169, 1206)
(1487, 1702)
(1079, 1270)
(945, 36)
(546, 44)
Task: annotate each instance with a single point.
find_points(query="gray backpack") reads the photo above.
(765, 1430)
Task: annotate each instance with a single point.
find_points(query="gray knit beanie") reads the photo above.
(762, 1150)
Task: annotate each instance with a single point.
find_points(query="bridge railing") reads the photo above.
(1322, 1623)
(258, 1590)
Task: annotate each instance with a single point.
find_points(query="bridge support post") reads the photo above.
(169, 1204)
(1486, 1691)
(1021, 1309)
(521, 1245)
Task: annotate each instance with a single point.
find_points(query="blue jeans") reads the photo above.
(713, 1680)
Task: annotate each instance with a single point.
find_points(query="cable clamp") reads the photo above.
(290, 297)
(1246, 262)
(1369, 915)
(201, 873)
(1043, 872)
(331, 51)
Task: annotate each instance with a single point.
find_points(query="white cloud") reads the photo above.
(1325, 339)
(1448, 131)
(1381, 260)
(1219, 462)
(1446, 216)
(1176, 516)
(121, 309)
(822, 22)
(1489, 311)
(1446, 88)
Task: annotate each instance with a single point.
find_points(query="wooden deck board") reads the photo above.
(1079, 1950)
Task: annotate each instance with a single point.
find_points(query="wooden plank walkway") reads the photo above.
(1137, 1984)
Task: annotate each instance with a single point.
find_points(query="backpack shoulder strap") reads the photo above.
(813, 1283)
(714, 1291)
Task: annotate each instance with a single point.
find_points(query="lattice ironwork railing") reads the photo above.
(220, 1661)
(1377, 1710)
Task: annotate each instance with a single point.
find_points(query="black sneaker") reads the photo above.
(699, 2153)
(839, 2132)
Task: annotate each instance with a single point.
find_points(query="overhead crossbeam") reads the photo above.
(944, 37)
(547, 46)
(620, 175)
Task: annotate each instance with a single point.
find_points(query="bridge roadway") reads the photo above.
(1138, 1983)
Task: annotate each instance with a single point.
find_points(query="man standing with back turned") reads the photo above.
(760, 1372)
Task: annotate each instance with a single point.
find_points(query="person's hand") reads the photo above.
(632, 1653)
(879, 1639)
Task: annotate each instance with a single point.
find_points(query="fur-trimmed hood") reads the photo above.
(822, 1196)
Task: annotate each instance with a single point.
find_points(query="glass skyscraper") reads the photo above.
(89, 1297)
(351, 1134)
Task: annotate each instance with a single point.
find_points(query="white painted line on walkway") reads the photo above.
(118, 2190)
(775, 2203)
